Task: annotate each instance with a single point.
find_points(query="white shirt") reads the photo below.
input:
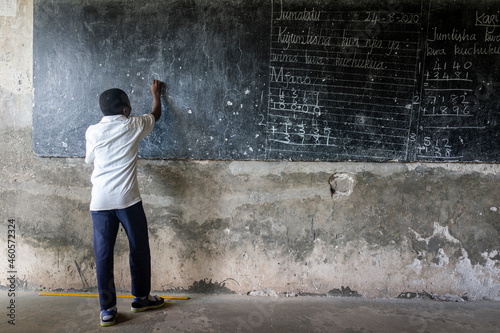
(113, 146)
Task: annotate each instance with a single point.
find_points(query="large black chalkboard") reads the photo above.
(276, 79)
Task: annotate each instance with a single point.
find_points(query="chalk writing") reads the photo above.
(447, 102)
(305, 15)
(391, 17)
(311, 38)
(355, 62)
(487, 20)
(454, 35)
(333, 79)
(435, 148)
(455, 94)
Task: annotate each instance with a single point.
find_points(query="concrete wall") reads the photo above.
(249, 226)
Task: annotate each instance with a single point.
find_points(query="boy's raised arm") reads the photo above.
(156, 91)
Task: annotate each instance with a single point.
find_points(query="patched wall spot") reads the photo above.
(341, 184)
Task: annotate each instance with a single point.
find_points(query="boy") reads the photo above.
(112, 145)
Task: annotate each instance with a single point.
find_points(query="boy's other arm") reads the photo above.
(156, 91)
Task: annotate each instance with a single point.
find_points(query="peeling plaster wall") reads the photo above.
(236, 227)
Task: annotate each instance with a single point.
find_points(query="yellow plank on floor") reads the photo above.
(95, 295)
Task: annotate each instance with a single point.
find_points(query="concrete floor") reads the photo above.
(207, 313)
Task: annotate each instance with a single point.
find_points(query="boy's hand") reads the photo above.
(156, 88)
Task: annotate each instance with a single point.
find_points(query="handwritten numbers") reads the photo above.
(384, 17)
(434, 148)
(282, 104)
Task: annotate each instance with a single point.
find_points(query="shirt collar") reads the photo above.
(108, 119)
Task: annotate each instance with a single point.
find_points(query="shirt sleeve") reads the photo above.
(148, 123)
(89, 149)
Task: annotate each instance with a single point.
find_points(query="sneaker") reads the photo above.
(108, 317)
(139, 305)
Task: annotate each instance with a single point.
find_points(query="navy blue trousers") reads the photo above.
(106, 225)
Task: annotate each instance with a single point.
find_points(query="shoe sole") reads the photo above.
(147, 307)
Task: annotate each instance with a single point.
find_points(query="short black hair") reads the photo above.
(112, 102)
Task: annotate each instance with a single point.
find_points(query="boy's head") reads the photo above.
(114, 102)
